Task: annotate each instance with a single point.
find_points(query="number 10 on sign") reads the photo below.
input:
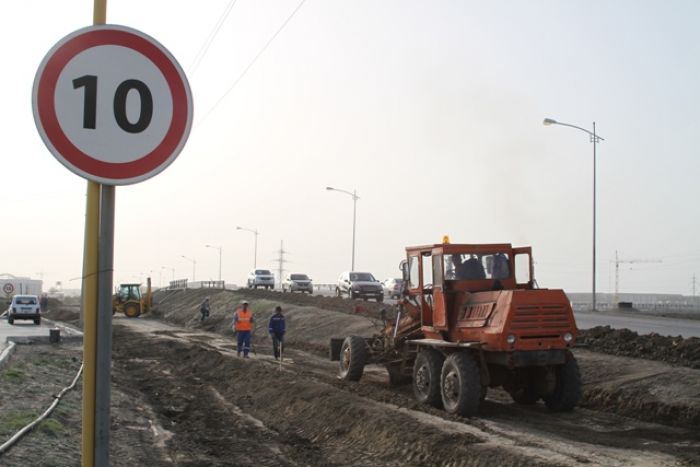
(112, 104)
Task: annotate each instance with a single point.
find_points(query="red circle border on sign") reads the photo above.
(109, 170)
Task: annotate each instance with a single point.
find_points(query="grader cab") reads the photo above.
(471, 318)
(129, 300)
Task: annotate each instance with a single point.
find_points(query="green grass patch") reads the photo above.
(13, 420)
(13, 375)
(51, 427)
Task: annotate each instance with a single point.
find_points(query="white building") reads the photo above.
(12, 285)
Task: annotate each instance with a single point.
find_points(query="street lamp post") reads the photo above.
(255, 252)
(220, 249)
(594, 138)
(354, 196)
(194, 263)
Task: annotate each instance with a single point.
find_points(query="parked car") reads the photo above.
(359, 285)
(24, 307)
(297, 283)
(393, 286)
(261, 278)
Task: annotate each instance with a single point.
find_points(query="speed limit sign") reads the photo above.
(112, 104)
(8, 288)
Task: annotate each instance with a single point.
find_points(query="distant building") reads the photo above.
(13, 285)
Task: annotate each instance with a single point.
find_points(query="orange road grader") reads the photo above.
(470, 318)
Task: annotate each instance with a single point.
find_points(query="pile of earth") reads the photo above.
(311, 320)
(623, 342)
(68, 314)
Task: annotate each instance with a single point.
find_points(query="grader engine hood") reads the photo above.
(515, 319)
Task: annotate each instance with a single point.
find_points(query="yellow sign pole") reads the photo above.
(89, 307)
(89, 292)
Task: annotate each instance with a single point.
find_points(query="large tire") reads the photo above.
(380, 299)
(132, 310)
(353, 355)
(37, 321)
(461, 384)
(567, 392)
(10, 320)
(338, 293)
(426, 377)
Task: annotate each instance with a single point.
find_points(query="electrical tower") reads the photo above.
(280, 261)
(619, 261)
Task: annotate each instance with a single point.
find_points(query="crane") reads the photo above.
(618, 261)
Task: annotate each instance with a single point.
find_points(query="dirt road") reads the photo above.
(183, 397)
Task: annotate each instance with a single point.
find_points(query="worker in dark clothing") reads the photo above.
(277, 327)
(44, 303)
(473, 268)
(204, 309)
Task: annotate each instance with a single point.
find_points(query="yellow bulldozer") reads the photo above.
(129, 300)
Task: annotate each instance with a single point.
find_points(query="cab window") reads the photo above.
(413, 278)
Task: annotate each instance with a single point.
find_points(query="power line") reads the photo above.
(245, 71)
(210, 38)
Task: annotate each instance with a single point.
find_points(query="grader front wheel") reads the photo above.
(353, 355)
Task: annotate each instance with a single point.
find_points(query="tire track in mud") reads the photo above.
(309, 417)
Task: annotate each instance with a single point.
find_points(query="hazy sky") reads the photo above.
(432, 110)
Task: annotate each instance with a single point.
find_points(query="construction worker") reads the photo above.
(204, 309)
(277, 328)
(243, 326)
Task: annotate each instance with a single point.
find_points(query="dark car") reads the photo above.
(359, 285)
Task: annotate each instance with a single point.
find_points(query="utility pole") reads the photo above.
(694, 302)
(631, 261)
(280, 261)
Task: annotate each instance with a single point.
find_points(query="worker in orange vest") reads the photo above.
(243, 326)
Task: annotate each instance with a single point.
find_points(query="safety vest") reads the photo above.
(244, 322)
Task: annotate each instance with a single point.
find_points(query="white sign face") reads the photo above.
(112, 104)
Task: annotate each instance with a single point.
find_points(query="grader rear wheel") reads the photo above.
(567, 391)
(353, 355)
(461, 384)
(132, 310)
(426, 377)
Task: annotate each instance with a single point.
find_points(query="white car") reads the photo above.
(298, 283)
(261, 278)
(392, 287)
(24, 307)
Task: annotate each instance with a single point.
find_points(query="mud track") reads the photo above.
(218, 409)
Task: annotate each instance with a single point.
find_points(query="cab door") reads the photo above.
(438, 297)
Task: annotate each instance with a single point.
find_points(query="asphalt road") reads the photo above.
(640, 324)
(22, 328)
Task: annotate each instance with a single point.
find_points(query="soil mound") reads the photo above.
(623, 342)
(69, 314)
(311, 320)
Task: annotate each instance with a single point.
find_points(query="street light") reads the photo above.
(594, 138)
(354, 216)
(255, 253)
(217, 248)
(194, 263)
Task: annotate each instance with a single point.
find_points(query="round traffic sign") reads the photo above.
(112, 104)
(8, 288)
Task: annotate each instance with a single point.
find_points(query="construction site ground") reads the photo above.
(181, 396)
